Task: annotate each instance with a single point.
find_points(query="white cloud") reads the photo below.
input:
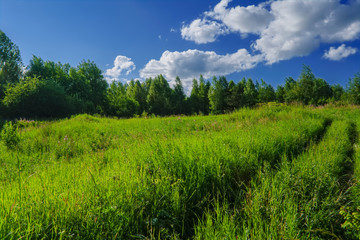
(291, 34)
(339, 53)
(203, 31)
(191, 63)
(284, 28)
(173, 30)
(122, 66)
(250, 19)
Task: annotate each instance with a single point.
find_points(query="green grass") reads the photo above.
(268, 173)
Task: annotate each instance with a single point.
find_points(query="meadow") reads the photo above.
(275, 172)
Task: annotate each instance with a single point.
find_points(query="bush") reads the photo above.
(10, 135)
(36, 98)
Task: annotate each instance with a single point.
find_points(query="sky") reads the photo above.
(137, 39)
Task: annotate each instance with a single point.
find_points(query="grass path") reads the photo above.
(301, 200)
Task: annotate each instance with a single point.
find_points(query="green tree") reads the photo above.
(10, 63)
(321, 93)
(250, 93)
(36, 98)
(195, 97)
(290, 89)
(280, 94)
(89, 73)
(218, 94)
(36, 68)
(119, 104)
(178, 99)
(50, 70)
(353, 89)
(337, 92)
(236, 98)
(203, 95)
(266, 92)
(84, 86)
(306, 85)
(136, 91)
(240, 97)
(158, 98)
(231, 101)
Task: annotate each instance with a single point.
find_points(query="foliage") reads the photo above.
(266, 92)
(354, 89)
(83, 89)
(218, 95)
(250, 93)
(10, 63)
(33, 97)
(119, 103)
(159, 96)
(84, 86)
(10, 135)
(352, 220)
(178, 98)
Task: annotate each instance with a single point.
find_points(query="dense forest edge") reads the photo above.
(45, 89)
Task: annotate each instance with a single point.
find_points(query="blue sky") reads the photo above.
(240, 38)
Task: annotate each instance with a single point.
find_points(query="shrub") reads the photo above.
(10, 135)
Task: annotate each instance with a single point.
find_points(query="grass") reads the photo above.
(269, 173)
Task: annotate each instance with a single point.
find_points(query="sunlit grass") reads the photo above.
(273, 172)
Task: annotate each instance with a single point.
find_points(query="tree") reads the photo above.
(158, 98)
(218, 94)
(305, 85)
(36, 68)
(36, 98)
(266, 92)
(95, 82)
(195, 97)
(50, 70)
(290, 90)
(178, 98)
(119, 104)
(321, 93)
(203, 95)
(354, 89)
(240, 96)
(10, 63)
(231, 101)
(250, 93)
(136, 91)
(85, 86)
(337, 92)
(280, 94)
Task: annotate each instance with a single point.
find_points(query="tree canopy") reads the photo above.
(10, 63)
(49, 89)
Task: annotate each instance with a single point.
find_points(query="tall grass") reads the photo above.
(159, 178)
(300, 200)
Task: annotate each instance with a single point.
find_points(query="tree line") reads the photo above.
(45, 89)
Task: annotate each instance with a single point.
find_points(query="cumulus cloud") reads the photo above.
(284, 29)
(191, 63)
(250, 19)
(291, 34)
(339, 53)
(122, 66)
(203, 31)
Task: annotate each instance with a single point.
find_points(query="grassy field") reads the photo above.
(269, 173)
